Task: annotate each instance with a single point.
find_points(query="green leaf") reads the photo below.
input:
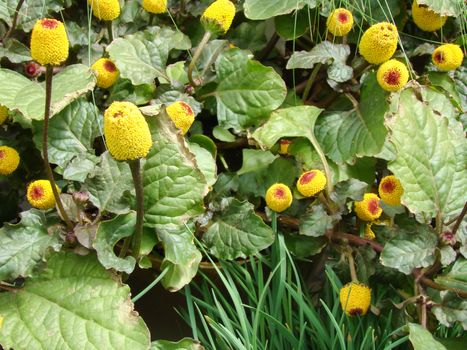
(289, 122)
(71, 133)
(413, 246)
(223, 134)
(315, 222)
(247, 92)
(15, 51)
(346, 135)
(299, 19)
(264, 9)
(430, 158)
(237, 231)
(24, 245)
(457, 277)
(184, 344)
(335, 55)
(205, 162)
(124, 90)
(76, 304)
(174, 187)
(255, 159)
(80, 167)
(181, 256)
(422, 339)
(108, 234)
(304, 246)
(108, 183)
(142, 57)
(448, 307)
(351, 188)
(445, 7)
(28, 97)
(249, 36)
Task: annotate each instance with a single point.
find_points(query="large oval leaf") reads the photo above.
(264, 9)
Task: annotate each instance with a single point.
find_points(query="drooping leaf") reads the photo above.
(335, 55)
(142, 57)
(247, 91)
(181, 256)
(71, 134)
(422, 339)
(264, 9)
(237, 231)
(413, 246)
(79, 304)
(108, 234)
(108, 184)
(445, 7)
(24, 245)
(174, 187)
(346, 135)
(28, 97)
(430, 158)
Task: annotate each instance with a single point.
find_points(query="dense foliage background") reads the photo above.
(275, 96)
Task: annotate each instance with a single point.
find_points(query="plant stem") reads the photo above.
(439, 223)
(322, 157)
(45, 143)
(110, 30)
(268, 48)
(353, 272)
(199, 50)
(135, 167)
(459, 219)
(15, 19)
(310, 81)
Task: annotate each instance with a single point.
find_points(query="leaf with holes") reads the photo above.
(80, 305)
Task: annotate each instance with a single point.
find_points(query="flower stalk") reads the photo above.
(135, 167)
(199, 50)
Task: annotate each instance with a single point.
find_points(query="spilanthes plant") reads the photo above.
(340, 22)
(279, 197)
(311, 183)
(379, 42)
(448, 57)
(106, 72)
(182, 115)
(9, 160)
(40, 194)
(369, 208)
(390, 190)
(426, 19)
(392, 75)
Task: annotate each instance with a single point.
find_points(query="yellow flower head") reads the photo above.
(368, 209)
(390, 190)
(369, 234)
(340, 22)
(218, 17)
(3, 114)
(126, 131)
(425, 19)
(379, 42)
(106, 72)
(284, 146)
(279, 197)
(9, 160)
(311, 182)
(49, 42)
(155, 6)
(392, 75)
(182, 115)
(448, 57)
(40, 194)
(355, 298)
(106, 10)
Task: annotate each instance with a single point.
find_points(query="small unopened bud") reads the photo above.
(448, 238)
(32, 69)
(80, 197)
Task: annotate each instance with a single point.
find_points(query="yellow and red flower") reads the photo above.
(218, 17)
(379, 42)
(340, 22)
(448, 57)
(106, 72)
(284, 146)
(126, 131)
(40, 194)
(279, 197)
(182, 115)
(355, 298)
(311, 183)
(392, 75)
(369, 208)
(9, 160)
(390, 190)
(426, 19)
(49, 42)
(106, 10)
